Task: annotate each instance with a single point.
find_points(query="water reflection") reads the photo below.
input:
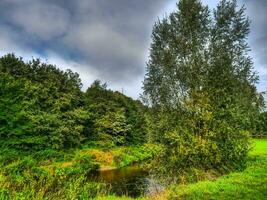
(130, 181)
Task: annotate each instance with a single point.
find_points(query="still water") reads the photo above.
(130, 181)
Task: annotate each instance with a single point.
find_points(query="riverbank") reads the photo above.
(51, 174)
(248, 184)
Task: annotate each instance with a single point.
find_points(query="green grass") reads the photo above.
(259, 147)
(248, 184)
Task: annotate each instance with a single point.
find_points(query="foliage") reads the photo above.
(43, 107)
(42, 176)
(53, 174)
(112, 127)
(135, 154)
(117, 119)
(200, 85)
(40, 106)
(54, 188)
(261, 127)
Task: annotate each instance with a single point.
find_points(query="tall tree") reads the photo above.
(199, 83)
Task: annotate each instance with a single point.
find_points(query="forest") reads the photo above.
(199, 118)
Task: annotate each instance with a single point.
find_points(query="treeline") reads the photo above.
(43, 107)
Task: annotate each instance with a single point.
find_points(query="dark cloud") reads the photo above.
(256, 11)
(111, 37)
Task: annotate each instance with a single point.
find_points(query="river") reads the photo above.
(130, 181)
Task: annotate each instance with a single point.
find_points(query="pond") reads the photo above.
(130, 181)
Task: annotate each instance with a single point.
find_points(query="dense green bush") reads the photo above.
(24, 177)
(47, 154)
(54, 188)
(85, 163)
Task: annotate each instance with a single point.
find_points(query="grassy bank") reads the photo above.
(51, 174)
(248, 184)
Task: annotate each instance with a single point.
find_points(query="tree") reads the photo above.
(261, 129)
(40, 105)
(113, 111)
(14, 118)
(200, 85)
(113, 128)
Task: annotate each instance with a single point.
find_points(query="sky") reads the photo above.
(104, 39)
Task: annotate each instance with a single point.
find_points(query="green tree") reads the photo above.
(15, 122)
(200, 85)
(116, 110)
(113, 127)
(40, 105)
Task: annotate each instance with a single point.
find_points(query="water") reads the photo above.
(130, 181)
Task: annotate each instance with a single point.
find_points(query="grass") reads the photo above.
(53, 170)
(50, 174)
(249, 184)
(259, 147)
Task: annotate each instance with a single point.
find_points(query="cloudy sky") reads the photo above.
(104, 39)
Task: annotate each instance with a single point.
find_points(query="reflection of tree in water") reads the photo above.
(153, 187)
(130, 181)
